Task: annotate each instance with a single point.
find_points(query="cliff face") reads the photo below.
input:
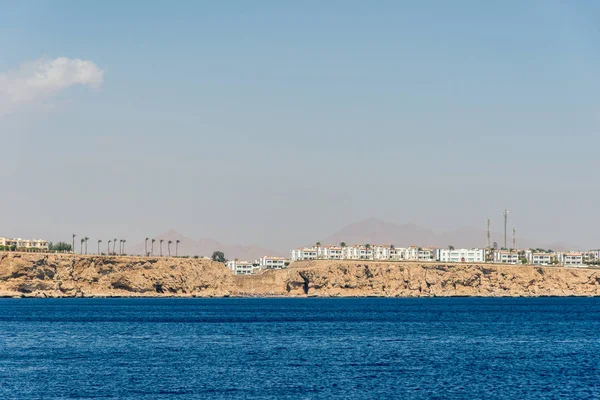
(348, 278)
(35, 275)
(65, 275)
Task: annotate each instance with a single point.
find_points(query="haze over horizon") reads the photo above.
(272, 124)
(371, 230)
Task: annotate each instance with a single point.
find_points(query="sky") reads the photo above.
(276, 123)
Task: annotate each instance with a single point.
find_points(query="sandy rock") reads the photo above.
(43, 275)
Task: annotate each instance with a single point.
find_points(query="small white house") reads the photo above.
(242, 267)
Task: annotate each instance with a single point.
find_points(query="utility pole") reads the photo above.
(505, 213)
(489, 238)
(514, 239)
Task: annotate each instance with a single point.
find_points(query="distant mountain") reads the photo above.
(376, 231)
(371, 230)
(204, 247)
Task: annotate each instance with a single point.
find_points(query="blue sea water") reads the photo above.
(300, 348)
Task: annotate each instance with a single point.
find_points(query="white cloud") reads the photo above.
(37, 80)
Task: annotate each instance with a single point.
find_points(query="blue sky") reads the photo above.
(276, 123)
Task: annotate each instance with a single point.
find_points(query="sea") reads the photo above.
(428, 348)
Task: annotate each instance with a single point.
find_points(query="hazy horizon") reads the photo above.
(277, 124)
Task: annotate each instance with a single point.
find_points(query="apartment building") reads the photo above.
(426, 254)
(333, 253)
(570, 258)
(25, 244)
(415, 253)
(267, 262)
(303, 254)
(538, 258)
(506, 257)
(358, 252)
(460, 255)
(363, 252)
(593, 255)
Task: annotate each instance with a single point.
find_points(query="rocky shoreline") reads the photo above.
(67, 275)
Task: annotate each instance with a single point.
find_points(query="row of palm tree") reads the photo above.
(84, 248)
(169, 243)
(84, 245)
(343, 244)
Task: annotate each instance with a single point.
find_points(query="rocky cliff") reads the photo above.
(66, 275)
(39, 275)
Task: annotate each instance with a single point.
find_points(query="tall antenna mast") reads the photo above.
(505, 213)
(489, 238)
(514, 239)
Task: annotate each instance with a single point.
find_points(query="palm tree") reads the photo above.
(146, 247)
(169, 247)
(152, 248)
(73, 249)
(177, 247)
(343, 246)
(81, 247)
(318, 246)
(99, 241)
(114, 244)
(161, 240)
(108, 249)
(367, 248)
(123, 251)
(86, 240)
(392, 248)
(120, 244)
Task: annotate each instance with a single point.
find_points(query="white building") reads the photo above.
(593, 255)
(570, 258)
(333, 253)
(358, 252)
(363, 252)
(242, 267)
(538, 258)
(426, 254)
(381, 252)
(407, 254)
(272, 262)
(506, 257)
(25, 244)
(303, 254)
(460, 255)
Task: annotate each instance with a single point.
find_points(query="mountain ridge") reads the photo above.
(371, 230)
(202, 247)
(376, 231)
